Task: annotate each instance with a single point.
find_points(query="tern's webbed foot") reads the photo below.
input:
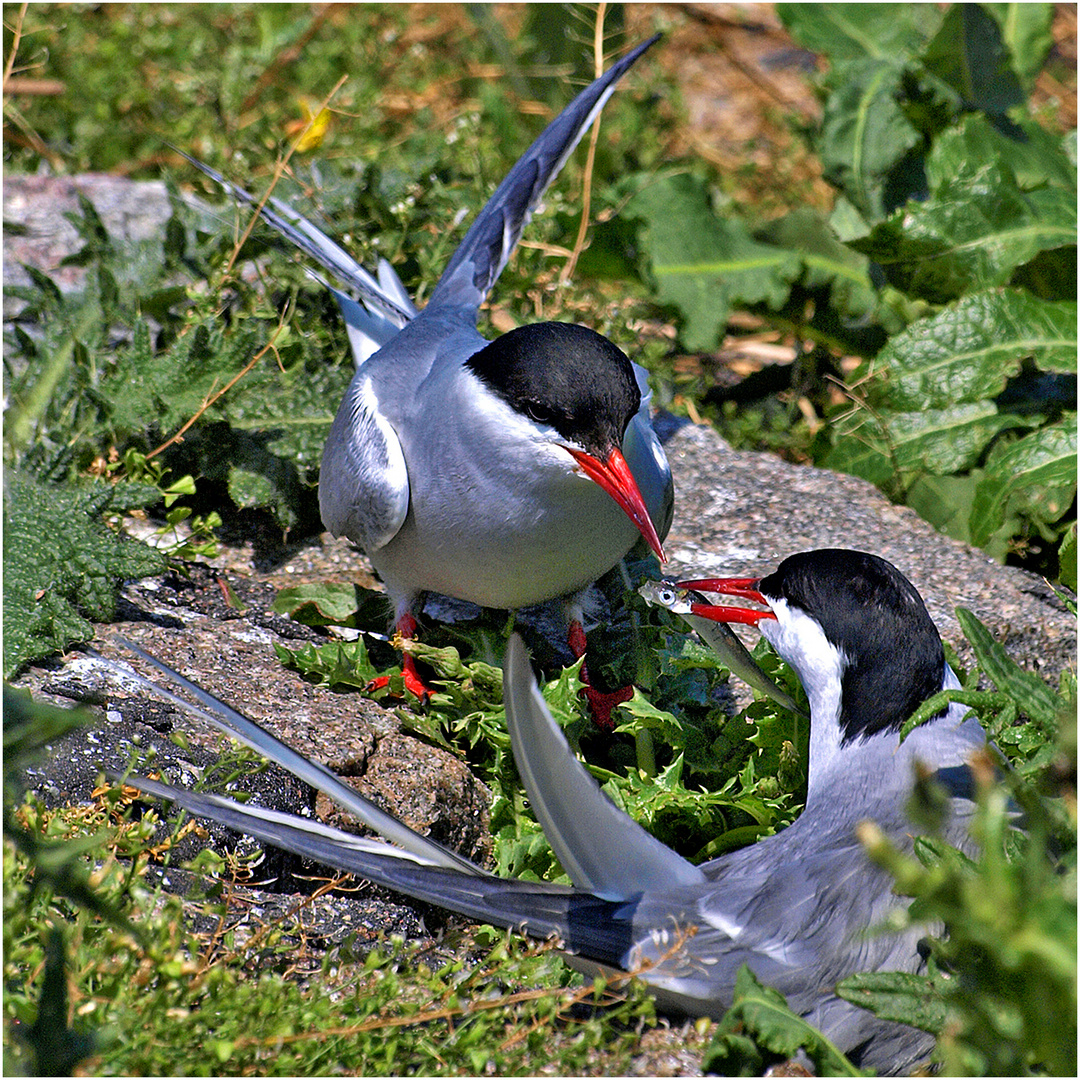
(600, 702)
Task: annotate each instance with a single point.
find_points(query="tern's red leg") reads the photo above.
(601, 703)
(406, 628)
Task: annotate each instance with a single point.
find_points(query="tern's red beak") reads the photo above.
(615, 477)
(746, 588)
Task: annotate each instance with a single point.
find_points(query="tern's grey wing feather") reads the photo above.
(601, 848)
(247, 731)
(538, 909)
(482, 254)
(310, 240)
(368, 333)
(368, 498)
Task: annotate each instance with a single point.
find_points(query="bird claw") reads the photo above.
(601, 703)
(411, 677)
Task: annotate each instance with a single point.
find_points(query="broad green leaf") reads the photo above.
(826, 261)
(944, 502)
(968, 55)
(946, 440)
(326, 603)
(859, 448)
(896, 995)
(1027, 31)
(970, 349)
(865, 134)
(1030, 692)
(855, 31)
(1034, 155)
(703, 263)
(1067, 559)
(973, 232)
(762, 1014)
(1044, 459)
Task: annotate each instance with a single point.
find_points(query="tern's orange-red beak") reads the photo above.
(615, 477)
(746, 588)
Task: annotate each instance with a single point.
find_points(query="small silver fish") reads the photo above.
(718, 636)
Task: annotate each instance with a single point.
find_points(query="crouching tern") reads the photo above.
(506, 473)
(802, 908)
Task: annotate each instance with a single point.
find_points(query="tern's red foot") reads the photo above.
(601, 702)
(414, 684)
(406, 628)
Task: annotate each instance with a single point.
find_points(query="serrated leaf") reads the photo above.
(338, 663)
(1029, 692)
(855, 31)
(62, 566)
(1044, 459)
(702, 263)
(865, 134)
(897, 995)
(969, 350)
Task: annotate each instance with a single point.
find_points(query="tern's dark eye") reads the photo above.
(542, 414)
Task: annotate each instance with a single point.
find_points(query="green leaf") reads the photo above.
(897, 995)
(826, 261)
(1034, 155)
(63, 566)
(946, 502)
(1030, 693)
(702, 263)
(946, 440)
(332, 603)
(1027, 31)
(336, 664)
(1067, 559)
(968, 55)
(865, 134)
(969, 350)
(973, 232)
(856, 31)
(1041, 462)
(761, 1014)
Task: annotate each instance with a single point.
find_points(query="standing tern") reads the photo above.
(506, 473)
(802, 908)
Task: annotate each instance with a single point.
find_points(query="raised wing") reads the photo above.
(483, 253)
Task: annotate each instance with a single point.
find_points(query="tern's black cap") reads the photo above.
(565, 376)
(875, 617)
